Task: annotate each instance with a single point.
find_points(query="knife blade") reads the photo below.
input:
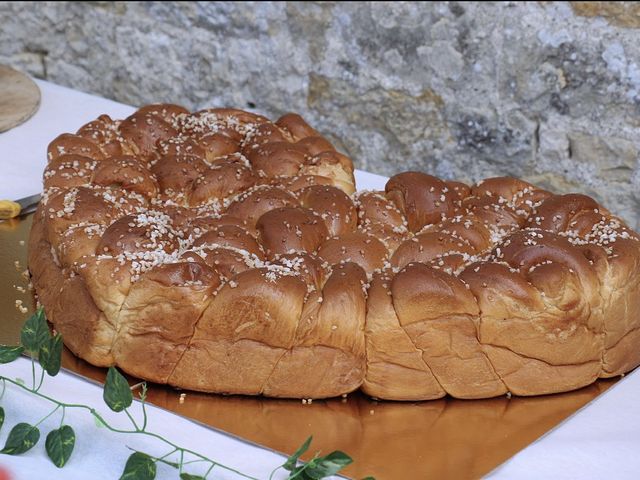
(11, 209)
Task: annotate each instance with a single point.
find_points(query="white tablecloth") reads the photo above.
(600, 441)
(100, 453)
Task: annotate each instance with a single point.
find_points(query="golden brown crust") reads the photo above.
(69, 144)
(225, 178)
(222, 252)
(143, 130)
(153, 335)
(422, 198)
(361, 248)
(295, 125)
(291, 229)
(333, 205)
(83, 327)
(442, 319)
(396, 368)
(68, 170)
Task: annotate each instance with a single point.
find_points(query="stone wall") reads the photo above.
(548, 91)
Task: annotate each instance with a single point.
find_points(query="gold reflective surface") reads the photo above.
(444, 438)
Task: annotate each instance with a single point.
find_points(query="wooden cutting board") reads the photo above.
(19, 98)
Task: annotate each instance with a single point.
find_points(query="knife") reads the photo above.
(11, 209)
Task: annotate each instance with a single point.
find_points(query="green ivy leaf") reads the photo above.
(35, 332)
(328, 465)
(1, 416)
(50, 355)
(117, 394)
(139, 467)
(188, 476)
(164, 460)
(59, 445)
(299, 472)
(292, 461)
(9, 353)
(369, 478)
(22, 438)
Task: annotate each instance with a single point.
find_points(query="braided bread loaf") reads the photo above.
(218, 251)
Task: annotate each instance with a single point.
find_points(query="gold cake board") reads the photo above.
(445, 438)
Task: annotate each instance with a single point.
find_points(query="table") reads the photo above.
(600, 440)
